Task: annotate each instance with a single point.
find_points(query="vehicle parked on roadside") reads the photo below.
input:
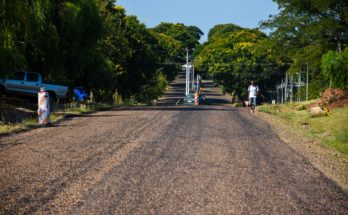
(29, 83)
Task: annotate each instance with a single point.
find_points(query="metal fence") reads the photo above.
(288, 87)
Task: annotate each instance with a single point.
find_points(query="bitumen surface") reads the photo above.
(163, 159)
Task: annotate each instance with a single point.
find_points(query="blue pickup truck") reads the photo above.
(29, 83)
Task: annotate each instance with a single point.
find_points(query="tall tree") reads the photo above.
(304, 30)
(90, 43)
(222, 30)
(188, 35)
(335, 68)
(233, 59)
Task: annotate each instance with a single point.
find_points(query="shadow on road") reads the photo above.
(179, 108)
(94, 115)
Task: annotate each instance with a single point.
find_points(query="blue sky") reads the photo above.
(204, 14)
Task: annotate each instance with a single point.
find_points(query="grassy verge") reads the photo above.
(69, 109)
(330, 130)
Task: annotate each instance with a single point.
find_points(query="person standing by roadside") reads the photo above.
(253, 91)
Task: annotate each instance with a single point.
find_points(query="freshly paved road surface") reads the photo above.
(161, 160)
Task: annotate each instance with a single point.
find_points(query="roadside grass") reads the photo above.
(57, 115)
(330, 130)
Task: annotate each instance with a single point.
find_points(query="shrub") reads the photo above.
(335, 68)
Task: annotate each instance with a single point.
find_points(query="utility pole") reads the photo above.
(307, 81)
(291, 87)
(286, 88)
(282, 90)
(193, 78)
(278, 99)
(299, 87)
(276, 87)
(278, 93)
(187, 73)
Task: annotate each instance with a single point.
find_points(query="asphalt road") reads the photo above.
(163, 159)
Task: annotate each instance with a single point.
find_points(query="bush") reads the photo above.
(335, 68)
(153, 90)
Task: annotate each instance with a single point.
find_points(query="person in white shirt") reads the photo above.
(253, 91)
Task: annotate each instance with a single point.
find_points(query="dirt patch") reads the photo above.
(328, 160)
(340, 103)
(332, 98)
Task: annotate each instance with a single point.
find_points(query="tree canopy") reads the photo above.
(233, 59)
(94, 44)
(91, 43)
(335, 68)
(305, 32)
(188, 35)
(222, 30)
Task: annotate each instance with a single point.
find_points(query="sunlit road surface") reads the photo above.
(164, 159)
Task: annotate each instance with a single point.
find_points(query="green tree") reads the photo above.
(91, 43)
(305, 30)
(21, 21)
(335, 68)
(222, 30)
(234, 58)
(188, 35)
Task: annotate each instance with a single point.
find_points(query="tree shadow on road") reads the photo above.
(164, 107)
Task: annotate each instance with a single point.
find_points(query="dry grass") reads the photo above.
(331, 130)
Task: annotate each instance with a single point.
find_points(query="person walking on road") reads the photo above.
(253, 91)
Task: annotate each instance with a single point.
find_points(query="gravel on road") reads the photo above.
(161, 160)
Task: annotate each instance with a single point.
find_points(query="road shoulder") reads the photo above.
(329, 161)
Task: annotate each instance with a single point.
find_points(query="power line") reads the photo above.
(249, 64)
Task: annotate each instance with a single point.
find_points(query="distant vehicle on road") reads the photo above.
(80, 94)
(29, 83)
(189, 99)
